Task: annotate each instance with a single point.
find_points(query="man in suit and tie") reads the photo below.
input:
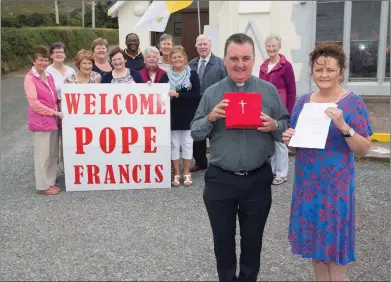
(211, 70)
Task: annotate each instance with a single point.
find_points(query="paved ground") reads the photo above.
(150, 234)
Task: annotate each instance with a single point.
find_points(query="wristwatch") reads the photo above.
(350, 133)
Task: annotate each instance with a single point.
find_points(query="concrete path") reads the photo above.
(151, 234)
(380, 151)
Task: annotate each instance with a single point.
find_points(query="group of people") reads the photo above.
(243, 163)
(170, 64)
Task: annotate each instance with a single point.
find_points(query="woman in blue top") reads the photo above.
(322, 221)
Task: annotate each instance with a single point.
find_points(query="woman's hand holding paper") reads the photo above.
(336, 116)
(287, 135)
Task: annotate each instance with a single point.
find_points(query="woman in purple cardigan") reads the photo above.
(278, 71)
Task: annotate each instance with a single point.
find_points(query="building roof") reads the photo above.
(113, 10)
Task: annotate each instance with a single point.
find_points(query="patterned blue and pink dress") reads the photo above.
(322, 221)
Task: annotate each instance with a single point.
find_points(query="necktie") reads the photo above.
(202, 69)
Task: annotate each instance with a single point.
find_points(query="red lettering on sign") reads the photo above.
(159, 173)
(72, 100)
(78, 172)
(161, 105)
(146, 103)
(103, 110)
(135, 174)
(88, 103)
(124, 173)
(103, 140)
(80, 141)
(131, 103)
(116, 99)
(147, 173)
(149, 138)
(126, 140)
(93, 177)
(109, 177)
(139, 174)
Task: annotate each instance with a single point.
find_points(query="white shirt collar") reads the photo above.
(206, 59)
(36, 74)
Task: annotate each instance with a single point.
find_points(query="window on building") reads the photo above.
(364, 39)
(388, 48)
(329, 21)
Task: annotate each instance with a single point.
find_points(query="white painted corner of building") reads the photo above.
(250, 7)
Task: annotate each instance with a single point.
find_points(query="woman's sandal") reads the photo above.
(175, 182)
(187, 180)
(52, 190)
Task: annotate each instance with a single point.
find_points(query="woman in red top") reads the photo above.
(152, 73)
(278, 71)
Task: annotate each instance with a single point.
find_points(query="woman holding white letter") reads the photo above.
(322, 221)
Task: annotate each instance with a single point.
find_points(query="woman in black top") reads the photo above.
(185, 93)
(99, 49)
(120, 73)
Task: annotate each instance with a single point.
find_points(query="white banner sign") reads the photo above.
(116, 136)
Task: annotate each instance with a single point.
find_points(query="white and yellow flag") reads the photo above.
(158, 13)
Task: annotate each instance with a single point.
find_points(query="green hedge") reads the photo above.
(17, 43)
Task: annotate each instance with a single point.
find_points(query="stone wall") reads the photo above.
(379, 112)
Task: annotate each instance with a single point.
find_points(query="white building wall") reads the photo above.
(294, 21)
(127, 20)
(281, 24)
(266, 17)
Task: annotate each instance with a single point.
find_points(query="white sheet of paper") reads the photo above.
(312, 126)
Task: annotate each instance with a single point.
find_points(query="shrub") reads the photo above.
(17, 43)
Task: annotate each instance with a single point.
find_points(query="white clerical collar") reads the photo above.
(239, 83)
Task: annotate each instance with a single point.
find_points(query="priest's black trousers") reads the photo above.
(199, 153)
(249, 196)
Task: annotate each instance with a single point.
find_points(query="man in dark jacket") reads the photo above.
(134, 57)
(211, 70)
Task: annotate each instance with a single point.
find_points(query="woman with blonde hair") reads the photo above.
(84, 62)
(44, 121)
(185, 93)
(99, 48)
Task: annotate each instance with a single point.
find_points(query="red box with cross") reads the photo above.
(243, 110)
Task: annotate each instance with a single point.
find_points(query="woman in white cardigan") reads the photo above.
(58, 68)
(59, 71)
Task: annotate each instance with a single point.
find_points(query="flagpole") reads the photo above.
(199, 17)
